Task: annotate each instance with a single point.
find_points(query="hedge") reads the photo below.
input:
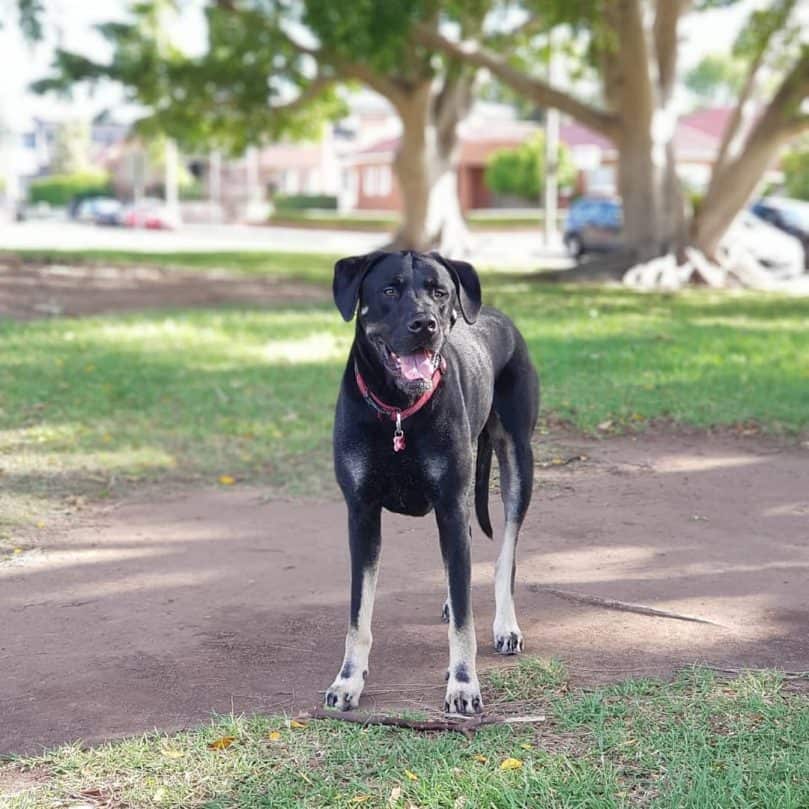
(302, 202)
(61, 189)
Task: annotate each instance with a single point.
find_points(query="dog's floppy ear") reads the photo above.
(348, 275)
(467, 284)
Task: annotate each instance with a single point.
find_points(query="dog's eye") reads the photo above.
(439, 293)
(390, 291)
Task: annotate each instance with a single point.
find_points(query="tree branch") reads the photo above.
(346, 69)
(743, 112)
(666, 22)
(541, 92)
(452, 722)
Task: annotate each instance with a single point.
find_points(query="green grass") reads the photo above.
(697, 743)
(89, 405)
(382, 222)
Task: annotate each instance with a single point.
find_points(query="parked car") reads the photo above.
(108, 211)
(100, 210)
(593, 225)
(780, 252)
(789, 215)
(150, 213)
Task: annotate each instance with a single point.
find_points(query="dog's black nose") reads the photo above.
(423, 323)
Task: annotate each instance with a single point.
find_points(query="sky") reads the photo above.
(20, 64)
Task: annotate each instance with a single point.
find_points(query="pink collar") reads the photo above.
(394, 413)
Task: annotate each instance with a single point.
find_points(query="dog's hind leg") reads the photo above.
(364, 529)
(516, 408)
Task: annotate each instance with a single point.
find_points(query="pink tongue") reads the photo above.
(417, 366)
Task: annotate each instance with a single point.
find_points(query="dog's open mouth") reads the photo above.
(417, 367)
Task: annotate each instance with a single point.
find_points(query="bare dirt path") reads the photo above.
(30, 291)
(154, 614)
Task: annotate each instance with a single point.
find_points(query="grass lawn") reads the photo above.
(89, 404)
(386, 223)
(697, 743)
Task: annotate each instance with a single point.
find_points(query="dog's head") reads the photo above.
(408, 302)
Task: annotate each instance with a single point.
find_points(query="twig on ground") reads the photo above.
(787, 675)
(456, 724)
(623, 606)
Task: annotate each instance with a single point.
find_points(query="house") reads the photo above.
(369, 183)
(595, 156)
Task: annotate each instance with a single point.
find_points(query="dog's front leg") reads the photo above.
(463, 689)
(364, 537)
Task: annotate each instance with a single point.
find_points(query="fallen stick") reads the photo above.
(459, 724)
(787, 675)
(623, 606)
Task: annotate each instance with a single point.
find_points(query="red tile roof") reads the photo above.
(711, 120)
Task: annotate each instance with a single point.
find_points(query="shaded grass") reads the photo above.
(296, 266)
(89, 404)
(698, 742)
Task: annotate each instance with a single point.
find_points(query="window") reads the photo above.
(376, 181)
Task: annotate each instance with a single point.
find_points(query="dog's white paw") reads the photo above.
(344, 693)
(508, 639)
(463, 697)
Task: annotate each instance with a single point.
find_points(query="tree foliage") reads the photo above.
(247, 87)
(519, 171)
(796, 171)
(716, 79)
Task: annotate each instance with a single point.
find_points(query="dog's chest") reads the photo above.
(409, 481)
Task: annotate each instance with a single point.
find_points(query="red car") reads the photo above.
(151, 214)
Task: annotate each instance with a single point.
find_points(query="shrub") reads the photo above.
(61, 189)
(519, 171)
(301, 202)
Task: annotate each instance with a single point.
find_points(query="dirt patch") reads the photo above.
(13, 780)
(31, 291)
(156, 613)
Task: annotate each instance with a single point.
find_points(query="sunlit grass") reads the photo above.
(93, 403)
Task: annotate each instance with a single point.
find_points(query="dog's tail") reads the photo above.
(483, 468)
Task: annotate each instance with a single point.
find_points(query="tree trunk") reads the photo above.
(641, 87)
(425, 168)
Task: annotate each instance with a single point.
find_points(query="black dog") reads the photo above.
(430, 375)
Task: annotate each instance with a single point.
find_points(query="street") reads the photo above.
(518, 249)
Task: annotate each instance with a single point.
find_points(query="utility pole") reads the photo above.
(172, 177)
(551, 153)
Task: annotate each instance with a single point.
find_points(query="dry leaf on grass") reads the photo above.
(411, 775)
(274, 735)
(511, 764)
(222, 743)
(227, 480)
